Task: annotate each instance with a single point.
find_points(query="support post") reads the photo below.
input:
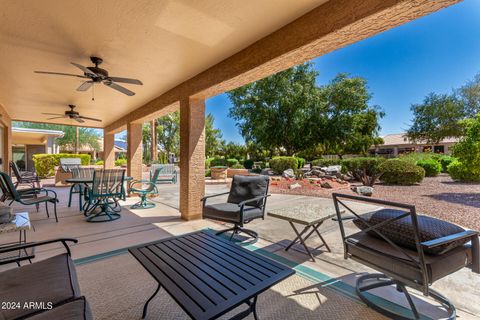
(134, 150)
(192, 157)
(7, 146)
(108, 150)
(154, 151)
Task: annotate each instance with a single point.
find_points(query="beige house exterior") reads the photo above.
(398, 143)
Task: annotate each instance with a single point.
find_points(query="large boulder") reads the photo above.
(289, 174)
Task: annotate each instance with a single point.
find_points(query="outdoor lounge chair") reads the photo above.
(144, 188)
(246, 201)
(32, 196)
(25, 177)
(49, 287)
(168, 172)
(408, 249)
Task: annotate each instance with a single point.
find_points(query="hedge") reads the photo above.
(45, 163)
(445, 162)
(459, 171)
(431, 166)
(326, 162)
(120, 162)
(218, 162)
(364, 169)
(248, 164)
(231, 162)
(280, 164)
(397, 171)
(237, 166)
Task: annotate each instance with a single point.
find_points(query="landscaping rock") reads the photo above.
(326, 185)
(289, 174)
(294, 186)
(267, 172)
(363, 190)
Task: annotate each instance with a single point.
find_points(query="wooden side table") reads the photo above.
(311, 214)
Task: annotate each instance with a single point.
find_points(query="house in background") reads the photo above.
(26, 142)
(398, 143)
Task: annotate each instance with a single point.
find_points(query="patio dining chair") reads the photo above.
(168, 172)
(103, 195)
(408, 250)
(246, 201)
(32, 196)
(79, 172)
(24, 177)
(145, 188)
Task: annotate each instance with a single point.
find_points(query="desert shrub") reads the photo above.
(445, 162)
(326, 162)
(45, 163)
(248, 163)
(99, 162)
(257, 170)
(365, 169)
(414, 157)
(431, 166)
(301, 162)
(218, 162)
(459, 171)
(280, 164)
(231, 162)
(237, 166)
(208, 173)
(397, 171)
(120, 162)
(208, 162)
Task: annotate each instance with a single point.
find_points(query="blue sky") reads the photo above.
(433, 54)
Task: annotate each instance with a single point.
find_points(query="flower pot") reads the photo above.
(219, 173)
(231, 172)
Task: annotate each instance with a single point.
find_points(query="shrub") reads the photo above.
(431, 166)
(237, 166)
(459, 171)
(45, 163)
(231, 162)
(208, 173)
(280, 164)
(120, 162)
(99, 162)
(257, 170)
(367, 170)
(218, 162)
(414, 157)
(248, 164)
(445, 162)
(301, 162)
(208, 162)
(326, 162)
(397, 171)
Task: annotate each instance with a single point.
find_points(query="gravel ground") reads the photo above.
(438, 197)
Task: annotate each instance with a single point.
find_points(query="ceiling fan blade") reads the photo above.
(60, 74)
(84, 69)
(117, 87)
(78, 119)
(57, 118)
(85, 86)
(126, 80)
(52, 114)
(88, 118)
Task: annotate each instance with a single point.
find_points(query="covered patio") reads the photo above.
(185, 53)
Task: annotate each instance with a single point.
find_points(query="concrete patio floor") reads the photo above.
(140, 226)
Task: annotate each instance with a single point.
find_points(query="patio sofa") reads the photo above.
(47, 289)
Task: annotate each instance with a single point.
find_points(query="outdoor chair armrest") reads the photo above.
(241, 204)
(447, 239)
(45, 190)
(39, 243)
(204, 199)
(144, 181)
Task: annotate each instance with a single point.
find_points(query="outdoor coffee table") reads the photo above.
(311, 214)
(21, 223)
(207, 275)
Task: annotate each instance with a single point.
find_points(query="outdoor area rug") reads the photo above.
(117, 287)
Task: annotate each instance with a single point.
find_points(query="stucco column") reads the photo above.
(192, 157)
(134, 150)
(108, 150)
(153, 132)
(7, 146)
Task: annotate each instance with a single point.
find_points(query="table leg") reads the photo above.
(144, 314)
(320, 236)
(299, 237)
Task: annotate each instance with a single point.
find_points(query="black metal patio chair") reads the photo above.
(80, 188)
(409, 250)
(103, 195)
(32, 196)
(246, 201)
(24, 177)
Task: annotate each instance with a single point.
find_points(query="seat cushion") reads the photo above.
(383, 257)
(402, 233)
(77, 309)
(248, 187)
(52, 280)
(230, 212)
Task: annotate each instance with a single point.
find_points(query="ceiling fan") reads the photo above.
(71, 114)
(97, 75)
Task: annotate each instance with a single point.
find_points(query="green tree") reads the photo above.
(272, 112)
(168, 133)
(469, 94)
(213, 137)
(86, 136)
(234, 150)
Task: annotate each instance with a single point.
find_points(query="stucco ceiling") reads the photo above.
(162, 43)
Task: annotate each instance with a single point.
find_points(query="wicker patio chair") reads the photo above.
(409, 250)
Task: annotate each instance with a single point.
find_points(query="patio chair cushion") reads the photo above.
(52, 280)
(230, 212)
(77, 309)
(248, 187)
(401, 231)
(392, 262)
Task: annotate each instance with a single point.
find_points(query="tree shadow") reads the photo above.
(471, 199)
